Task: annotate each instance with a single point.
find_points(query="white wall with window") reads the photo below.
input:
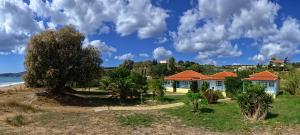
(271, 86)
(216, 85)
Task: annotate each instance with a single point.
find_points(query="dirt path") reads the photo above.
(132, 108)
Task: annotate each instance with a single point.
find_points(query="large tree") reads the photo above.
(56, 58)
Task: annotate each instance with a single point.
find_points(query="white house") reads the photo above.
(180, 82)
(267, 79)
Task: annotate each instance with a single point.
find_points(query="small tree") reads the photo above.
(195, 97)
(56, 58)
(255, 102)
(204, 86)
(156, 86)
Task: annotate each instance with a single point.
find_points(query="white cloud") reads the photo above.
(161, 40)
(92, 16)
(127, 56)
(102, 46)
(212, 27)
(144, 55)
(16, 26)
(161, 53)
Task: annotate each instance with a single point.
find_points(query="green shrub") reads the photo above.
(136, 120)
(233, 86)
(255, 102)
(293, 82)
(18, 120)
(204, 86)
(211, 96)
(195, 97)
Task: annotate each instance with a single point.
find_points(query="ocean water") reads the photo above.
(7, 81)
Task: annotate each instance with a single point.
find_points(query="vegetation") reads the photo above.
(227, 117)
(156, 86)
(136, 120)
(233, 86)
(18, 120)
(255, 102)
(211, 96)
(13, 106)
(195, 98)
(56, 59)
(292, 82)
(124, 83)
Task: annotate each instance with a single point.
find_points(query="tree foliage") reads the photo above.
(195, 98)
(156, 86)
(56, 58)
(233, 86)
(255, 102)
(293, 82)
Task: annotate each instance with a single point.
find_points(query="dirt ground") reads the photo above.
(53, 118)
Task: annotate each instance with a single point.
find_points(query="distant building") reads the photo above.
(275, 63)
(163, 62)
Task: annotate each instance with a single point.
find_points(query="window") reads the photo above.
(271, 84)
(219, 83)
(263, 83)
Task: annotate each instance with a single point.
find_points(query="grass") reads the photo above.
(136, 120)
(13, 106)
(18, 120)
(61, 120)
(227, 116)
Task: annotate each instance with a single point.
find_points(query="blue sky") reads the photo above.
(216, 32)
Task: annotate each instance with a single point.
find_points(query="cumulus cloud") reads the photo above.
(16, 26)
(127, 56)
(102, 46)
(161, 53)
(211, 28)
(144, 55)
(91, 17)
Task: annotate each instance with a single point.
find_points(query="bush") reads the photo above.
(194, 97)
(233, 86)
(255, 102)
(293, 82)
(211, 96)
(204, 86)
(18, 120)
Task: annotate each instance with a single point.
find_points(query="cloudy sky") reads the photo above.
(205, 31)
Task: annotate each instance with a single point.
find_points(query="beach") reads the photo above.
(13, 86)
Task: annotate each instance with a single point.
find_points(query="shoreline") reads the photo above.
(11, 86)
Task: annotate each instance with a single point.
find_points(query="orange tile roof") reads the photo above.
(262, 76)
(222, 75)
(188, 75)
(278, 61)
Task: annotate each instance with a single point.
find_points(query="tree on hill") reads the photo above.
(56, 58)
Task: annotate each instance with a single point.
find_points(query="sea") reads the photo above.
(8, 81)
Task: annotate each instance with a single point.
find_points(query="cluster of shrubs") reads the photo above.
(212, 96)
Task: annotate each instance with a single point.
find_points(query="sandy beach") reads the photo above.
(13, 87)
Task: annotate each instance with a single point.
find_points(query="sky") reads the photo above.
(219, 32)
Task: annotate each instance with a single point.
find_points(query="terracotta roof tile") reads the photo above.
(222, 75)
(262, 76)
(187, 75)
(278, 61)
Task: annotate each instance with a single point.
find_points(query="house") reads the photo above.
(275, 63)
(180, 82)
(217, 81)
(267, 79)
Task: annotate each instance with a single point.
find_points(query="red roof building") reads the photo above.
(262, 76)
(222, 75)
(278, 61)
(188, 75)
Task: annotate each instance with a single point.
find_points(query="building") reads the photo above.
(267, 79)
(180, 82)
(275, 63)
(217, 81)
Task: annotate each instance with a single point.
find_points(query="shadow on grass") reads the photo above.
(207, 110)
(90, 99)
(271, 115)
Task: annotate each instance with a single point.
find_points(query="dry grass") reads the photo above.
(13, 106)
(18, 120)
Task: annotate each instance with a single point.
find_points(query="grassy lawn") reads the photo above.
(227, 116)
